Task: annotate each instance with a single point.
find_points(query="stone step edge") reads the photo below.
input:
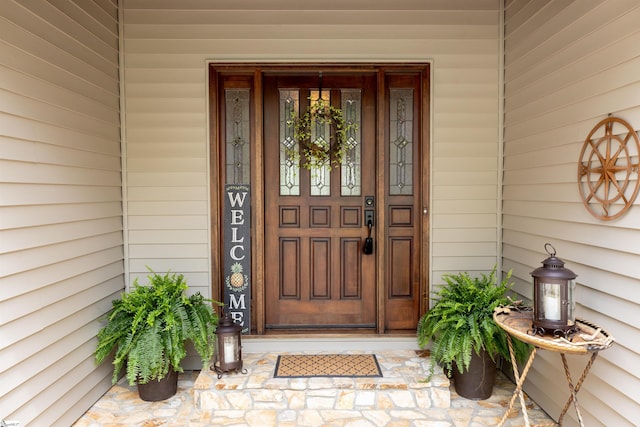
(310, 384)
(336, 399)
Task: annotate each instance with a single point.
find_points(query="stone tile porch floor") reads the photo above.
(198, 402)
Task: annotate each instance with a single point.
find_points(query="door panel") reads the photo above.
(313, 232)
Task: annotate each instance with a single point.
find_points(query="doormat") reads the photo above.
(327, 365)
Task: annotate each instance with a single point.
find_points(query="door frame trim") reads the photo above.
(255, 71)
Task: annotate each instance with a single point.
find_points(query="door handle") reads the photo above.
(367, 247)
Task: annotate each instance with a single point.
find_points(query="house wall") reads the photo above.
(61, 245)
(569, 64)
(166, 48)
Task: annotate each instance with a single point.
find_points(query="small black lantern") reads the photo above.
(229, 346)
(553, 304)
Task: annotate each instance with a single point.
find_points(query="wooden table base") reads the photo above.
(519, 382)
(573, 397)
(574, 390)
(517, 324)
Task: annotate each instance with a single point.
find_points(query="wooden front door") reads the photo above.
(308, 227)
(317, 275)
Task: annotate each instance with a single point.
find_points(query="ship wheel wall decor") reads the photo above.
(608, 169)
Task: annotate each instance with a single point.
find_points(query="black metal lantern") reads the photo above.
(229, 346)
(553, 304)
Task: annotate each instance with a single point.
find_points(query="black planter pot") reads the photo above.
(477, 382)
(154, 391)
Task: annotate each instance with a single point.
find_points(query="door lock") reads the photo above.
(368, 217)
(369, 201)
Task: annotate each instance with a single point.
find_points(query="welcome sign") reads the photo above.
(237, 258)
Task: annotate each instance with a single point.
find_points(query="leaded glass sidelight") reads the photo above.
(238, 166)
(320, 135)
(289, 163)
(350, 182)
(401, 142)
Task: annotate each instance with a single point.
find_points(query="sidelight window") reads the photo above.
(401, 142)
(238, 136)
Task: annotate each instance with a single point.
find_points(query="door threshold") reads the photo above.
(326, 343)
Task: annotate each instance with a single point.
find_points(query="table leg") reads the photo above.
(574, 390)
(519, 383)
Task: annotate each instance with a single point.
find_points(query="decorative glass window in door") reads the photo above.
(351, 160)
(401, 141)
(289, 164)
(238, 133)
(320, 174)
(320, 135)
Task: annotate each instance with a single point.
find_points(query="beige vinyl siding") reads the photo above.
(567, 66)
(167, 46)
(61, 245)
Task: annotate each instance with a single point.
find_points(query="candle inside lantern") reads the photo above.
(551, 302)
(229, 349)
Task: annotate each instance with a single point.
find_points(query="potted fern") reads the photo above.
(148, 328)
(465, 339)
